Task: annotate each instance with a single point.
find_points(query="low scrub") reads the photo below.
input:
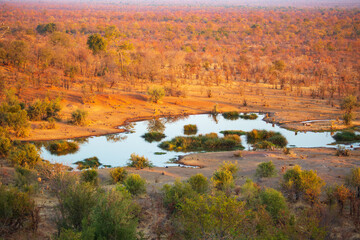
(25, 155)
(153, 136)
(118, 175)
(346, 136)
(90, 176)
(87, 163)
(233, 132)
(266, 169)
(62, 147)
(139, 162)
(264, 145)
(275, 138)
(79, 117)
(199, 183)
(231, 115)
(251, 116)
(342, 151)
(135, 184)
(190, 129)
(207, 142)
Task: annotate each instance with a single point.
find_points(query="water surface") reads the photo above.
(116, 149)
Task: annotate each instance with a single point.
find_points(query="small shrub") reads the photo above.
(266, 169)
(25, 155)
(342, 151)
(354, 179)
(156, 93)
(153, 136)
(275, 138)
(139, 162)
(90, 176)
(238, 154)
(44, 109)
(51, 123)
(346, 136)
(287, 151)
(278, 140)
(79, 117)
(175, 194)
(199, 183)
(113, 217)
(223, 180)
(5, 146)
(342, 194)
(135, 184)
(25, 180)
(62, 147)
(87, 163)
(69, 234)
(190, 129)
(16, 210)
(274, 203)
(230, 167)
(250, 192)
(231, 115)
(251, 116)
(264, 145)
(118, 174)
(232, 132)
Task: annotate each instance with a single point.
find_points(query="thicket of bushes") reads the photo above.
(153, 136)
(272, 139)
(62, 147)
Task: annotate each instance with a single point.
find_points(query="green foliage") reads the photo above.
(251, 116)
(75, 203)
(274, 203)
(25, 180)
(231, 115)
(79, 117)
(69, 234)
(44, 109)
(199, 183)
(297, 181)
(264, 145)
(223, 180)
(96, 43)
(233, 132)
(16, 210)
(139, 162)
(62, 147)
(135, 184)
(348, 118)
(113, 217)
(207, 142)
(266, 169)
(175, 195)
(156, 93)
(229, 167)
(354, 179)
(46, 28)
(346, 136)
(87, 163)
(118, 174)
(25, 155)
(90, 176)
(275, 138)
(5, 145)
(250, 192)
(13, 116)
(213, 217)
(153, 136)
(190, 129)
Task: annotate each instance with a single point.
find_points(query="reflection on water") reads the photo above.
(115, 149)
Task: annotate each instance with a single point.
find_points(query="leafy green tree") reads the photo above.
(25, 155)
(274, 203)
(113, 217)
(46, 28)
(175, 194)
(348, 105)
(199, 183)
(96, 43)
(18, 52)
(156, 93)
(354, 180)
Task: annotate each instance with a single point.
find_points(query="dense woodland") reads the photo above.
(307, 51)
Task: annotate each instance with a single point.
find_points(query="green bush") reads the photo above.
(231, 115)
(5, 146)
(118, 174)
(232, 132)
(113, 217)
(139, 162)
(199, 183)
(346, 136)
(250, 192)
(252, 116)
(266, 169)
(26, 180)
(62, 147)
(190, 129)
(75, 203)
(90, 176)
(87, 163)
(17, 210)
(156, 93)
(44, 109)
(153, 136)
(342, 151)
(230, 167)
(175, 194)
(354, 179)
(135, 184)
(264, 145)
(258, 136)
(207, 142)
(274, 203)
(69, 234)
(223, 180)
(25, 155)
(79, 117)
